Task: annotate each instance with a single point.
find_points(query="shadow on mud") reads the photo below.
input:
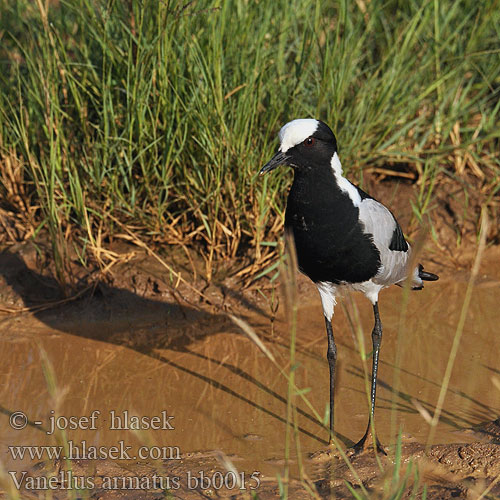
(111, 314)
(148, 326)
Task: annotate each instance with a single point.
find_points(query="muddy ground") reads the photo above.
(133, 340)
(448, 471)
(139, 341)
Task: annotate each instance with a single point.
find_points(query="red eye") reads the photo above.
(309, 141)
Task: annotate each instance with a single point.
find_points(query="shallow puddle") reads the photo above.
(119, 352)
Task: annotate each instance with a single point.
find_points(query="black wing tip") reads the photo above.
(424, 275)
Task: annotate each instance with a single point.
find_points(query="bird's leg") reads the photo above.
(331, 355)
(376, 341)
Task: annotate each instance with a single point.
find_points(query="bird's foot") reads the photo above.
(366, 443)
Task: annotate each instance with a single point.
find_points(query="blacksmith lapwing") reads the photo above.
(343, 237)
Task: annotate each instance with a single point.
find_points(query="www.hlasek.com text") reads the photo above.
(84, 451)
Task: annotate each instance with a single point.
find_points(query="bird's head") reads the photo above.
(304, 144)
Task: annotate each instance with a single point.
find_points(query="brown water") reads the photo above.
(121, 352)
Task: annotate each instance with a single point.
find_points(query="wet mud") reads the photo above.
(133, 347)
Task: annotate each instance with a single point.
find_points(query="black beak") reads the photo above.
(278, 159)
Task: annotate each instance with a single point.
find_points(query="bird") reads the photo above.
(343, 237)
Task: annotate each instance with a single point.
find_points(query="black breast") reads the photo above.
(329, 240)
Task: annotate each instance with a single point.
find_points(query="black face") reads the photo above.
(314, 151)
(317, 149)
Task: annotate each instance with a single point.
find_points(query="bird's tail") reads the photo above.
(425, 275)
(420, 276)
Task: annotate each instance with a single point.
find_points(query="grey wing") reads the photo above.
(388, 238)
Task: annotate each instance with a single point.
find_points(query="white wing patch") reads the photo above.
(295, 132)
(379, 222)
